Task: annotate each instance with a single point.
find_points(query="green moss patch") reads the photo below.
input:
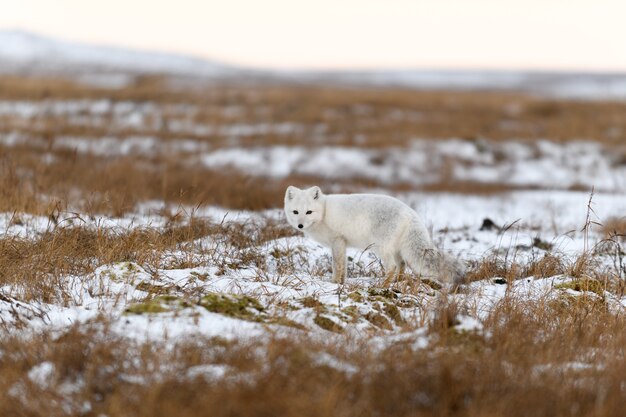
(357, 296)
(311, 302)
(385, 293)
(146, 308)
(156, 289)
(284, 321)
(327, 324)
(160, 304)
(352, 312)
(583, 285)
(378, 320)
(238, 306)
(394, 313)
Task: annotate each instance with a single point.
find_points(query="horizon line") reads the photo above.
(330, 68)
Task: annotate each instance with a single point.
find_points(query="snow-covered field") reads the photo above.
(523, 164)
(294, 269)
(235, 286)
(229, 285)
(579, 165)
(543, 163)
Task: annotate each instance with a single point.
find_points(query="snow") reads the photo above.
(169, 326)
(210, 372)
(543, 164)
(42, 374)
(554, 212)
(468, 324)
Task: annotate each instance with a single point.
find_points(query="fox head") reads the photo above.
(304, 208)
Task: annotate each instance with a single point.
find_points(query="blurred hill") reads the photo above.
(26, 53)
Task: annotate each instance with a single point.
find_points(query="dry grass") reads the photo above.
(536, 359)
(37, 268)
(375, 118)
(352, 116)
(556, 357)
(549, 357)
(615, 227)
(115, 186)
(585, 266)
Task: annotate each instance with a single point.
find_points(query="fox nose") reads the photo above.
(300, 226)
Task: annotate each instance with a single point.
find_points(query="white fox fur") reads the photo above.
(385, 225)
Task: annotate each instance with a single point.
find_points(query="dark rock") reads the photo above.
(488, 224)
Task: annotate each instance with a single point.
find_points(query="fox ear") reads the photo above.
(316, 192)
(291, 190)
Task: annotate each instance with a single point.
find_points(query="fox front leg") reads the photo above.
(339, 261)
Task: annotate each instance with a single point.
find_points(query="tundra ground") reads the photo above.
(146, 267)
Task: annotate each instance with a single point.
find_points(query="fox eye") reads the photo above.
(295, 212)
(309, 212)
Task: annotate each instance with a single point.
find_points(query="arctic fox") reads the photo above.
(387, 226)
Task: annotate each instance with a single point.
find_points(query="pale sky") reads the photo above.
(457, 34)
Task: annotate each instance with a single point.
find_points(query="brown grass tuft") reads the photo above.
(561, 358)
(615, 227)
(548, 266)
(494, 267)
(37, 267)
